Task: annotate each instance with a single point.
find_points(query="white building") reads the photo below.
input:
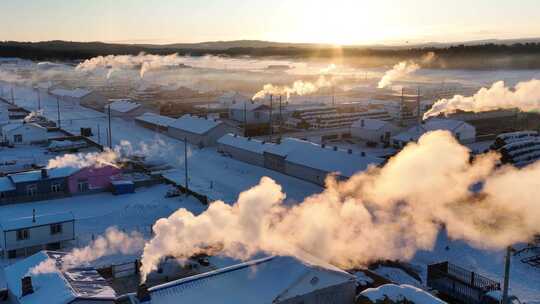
(78, 96)
(27, 235)
(373, 130)
(244, 149)
(24, 133)
(198, 130)
(124, 108)
(278, 280)
(58, 286)
(462, 131)
(251, 113)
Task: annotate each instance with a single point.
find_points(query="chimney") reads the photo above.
(44, 173)
(362, 153)
(335, 148)
(323, 145)
(142, 293)
(349, 151)
(33, 215)
(26, 286)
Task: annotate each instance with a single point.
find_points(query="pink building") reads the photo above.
(92, 179)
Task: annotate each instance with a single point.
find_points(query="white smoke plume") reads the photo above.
(403, 69)
(525, 96)
(34, 115)
(299, 87)
(83, 160)
(113, 242)
(383, 213)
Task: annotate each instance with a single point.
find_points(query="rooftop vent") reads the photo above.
(143, 295)
(44, 173)
(26, 286)
(349, 151)
(323, 145)
(362, 154)
(335, 148)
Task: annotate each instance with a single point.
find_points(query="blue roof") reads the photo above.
(6, 184)
(35, 175)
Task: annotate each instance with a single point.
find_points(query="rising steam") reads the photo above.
(403, 69)
(299, 87)
(383, 213)
(525, 97)
(83, 160)
(113, 242)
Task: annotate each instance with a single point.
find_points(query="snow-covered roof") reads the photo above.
(36, 174)
(415, 132)
(370, 124)
(14, 126)
(266, 280)
(194, 124)
(75, 93)
(6, 184)
(232, 98)
(244, 143)
(60, 286)
(123, 105)
(397, 293)
(156, 119)
(325, 159)
(248, 106)
(41, 219)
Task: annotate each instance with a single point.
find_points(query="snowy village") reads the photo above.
(250, 171)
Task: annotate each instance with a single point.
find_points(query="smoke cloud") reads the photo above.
(83, 160)
(113, 242)
(525, 97)
(299, 87)
(382, 213)
(403, 69)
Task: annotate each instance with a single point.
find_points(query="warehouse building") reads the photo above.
(199, 131)
(462, 131)
(244, 149)
(374, 130)
(154, 121)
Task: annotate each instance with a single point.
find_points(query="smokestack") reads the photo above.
(143, 295)
(26, 286)
(44, 173)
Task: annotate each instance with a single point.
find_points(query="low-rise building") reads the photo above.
(154, 121)
(199, 131)
(42, 184)
(125, 108)
(58, 285)
(251, 113)
(24, 133)
(462, 131)
(373, 130)
(29, 234)
(284, 280)
(78, 96)
(244, 149)
(92, 179)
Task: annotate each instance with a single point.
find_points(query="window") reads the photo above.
(55, 188)
(31, 190)
(17, 138)
(82, 185)
(56, 228)
(22, 234)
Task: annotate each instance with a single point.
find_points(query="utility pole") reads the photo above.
(245, 119)
(186, 165)
(98, 135)
(38, 99)
(280, 118)
(12, 96)
(58, 108)
(271, 106)
(506, 274)
(110, 130)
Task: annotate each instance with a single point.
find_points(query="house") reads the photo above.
(198, 130)
(373, 130)
(59, 286)
(29, 234)
(462, 131)
(250, 113)
(313, 163)
(42, 184)
(244, 149)
(125, 108)
(266, 280)
(24, 133)
(78, 96)
(154, 121)
(95, 178)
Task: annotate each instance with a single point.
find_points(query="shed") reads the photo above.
(122, 186)
(24, 133)
(266, 280)
(373, 130)
(198, 131)
(29, 234)
(60, 286)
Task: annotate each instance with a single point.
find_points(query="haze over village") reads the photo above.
(291, 152)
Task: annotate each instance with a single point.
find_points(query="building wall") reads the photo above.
(243, 155)
(308, 174)
(274, 162)
(98, 178)
(339, 294)
(252, 117)
(208, 139)
(43, 188)
(40, 235)
(30, 134)
(373, 135)
(94, 98)
(467, 133)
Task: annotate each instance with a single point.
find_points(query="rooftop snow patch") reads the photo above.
(194, 124)
(40, 220)
(36, 175)
(265, 280)
(60, 286)
(75, 93)
(245, 143)
(156, 119)
(398, 293)
(123, 105)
